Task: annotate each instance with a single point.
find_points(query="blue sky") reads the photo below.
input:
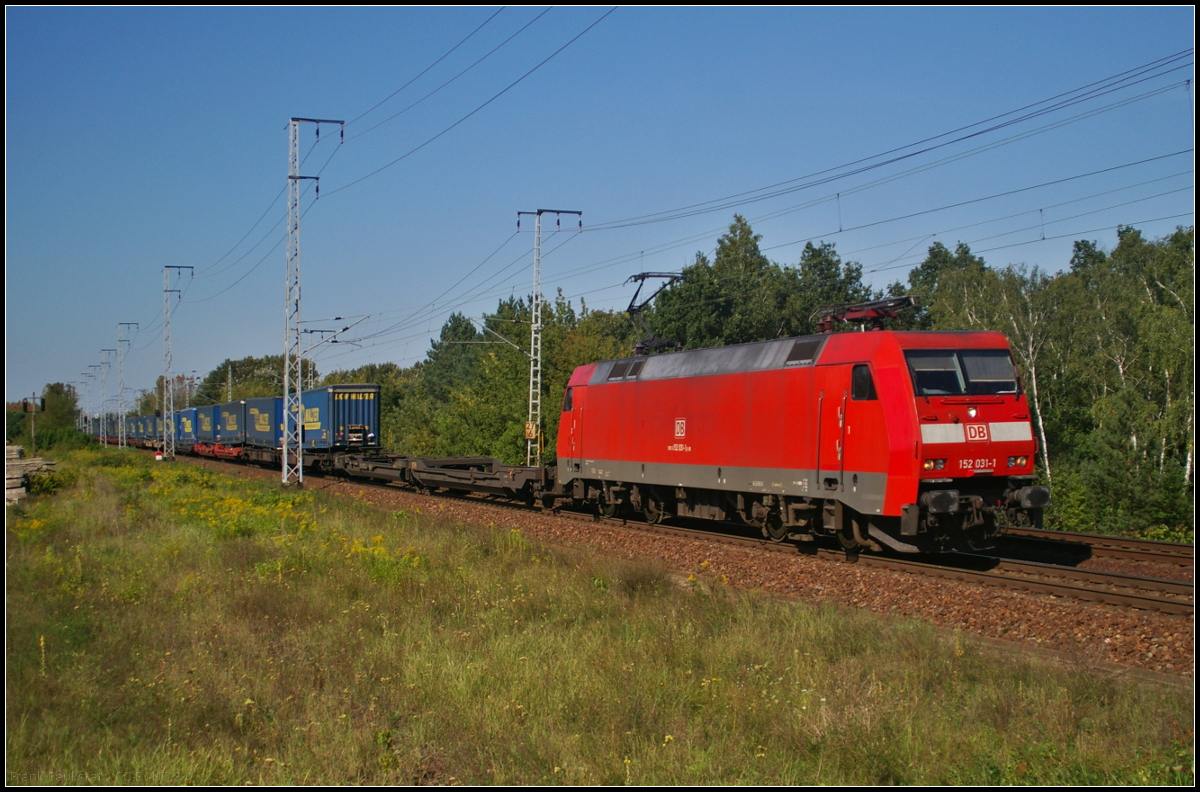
(142, 138)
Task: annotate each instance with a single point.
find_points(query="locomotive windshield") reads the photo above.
(949, 372)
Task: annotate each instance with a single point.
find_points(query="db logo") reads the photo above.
(977, 433)
(680, 427)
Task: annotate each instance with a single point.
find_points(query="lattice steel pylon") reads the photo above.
(91, 381)
(533, 425)
(168, 400)
(293, 407)
(122, 434)
(104, 392)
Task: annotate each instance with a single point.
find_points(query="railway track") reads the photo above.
(1113, 588)
(1094, 545)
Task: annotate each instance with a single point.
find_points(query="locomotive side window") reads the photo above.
(862, 387)
(619, 370)
(804, 351)
(567, 400)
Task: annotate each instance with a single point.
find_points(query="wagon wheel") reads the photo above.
(653, 509)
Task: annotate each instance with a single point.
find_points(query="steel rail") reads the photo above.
(1118, 546)
(1002, 579)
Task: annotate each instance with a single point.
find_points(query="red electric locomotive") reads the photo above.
(917, 441)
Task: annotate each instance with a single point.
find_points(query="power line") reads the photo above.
(422, 145)
(997, 195)
(443, 310)
(1058, 236)
(275, 200)
(494, 97)
(1090, 91)
(452, 79)
(998, 219)
(426, 70)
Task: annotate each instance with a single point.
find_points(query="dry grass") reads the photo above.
(167, 624)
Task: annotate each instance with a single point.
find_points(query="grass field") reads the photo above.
(167, 624)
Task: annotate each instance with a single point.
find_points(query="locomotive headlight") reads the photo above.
(1018, 461)
(934, 464)
(972, 412)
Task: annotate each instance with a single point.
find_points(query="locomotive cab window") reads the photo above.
(957, 373)
(989, 371)
(862, 387)
(567, 400)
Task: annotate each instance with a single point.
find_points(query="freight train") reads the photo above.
(887, 440)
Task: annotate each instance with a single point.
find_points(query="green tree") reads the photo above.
(738, 297)
(824, 279)
(55, 425)
(927, 279)
(247, 378)
(742, 296)
(453, 357)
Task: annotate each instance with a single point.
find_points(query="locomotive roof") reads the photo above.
(775, 354)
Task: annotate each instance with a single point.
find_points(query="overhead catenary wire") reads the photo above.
(487, 55)
(943, 232)
(283, 189)
(419, 315)
(425, 71)
(1076, 234)
(993, 196)
(410, 152)
(1059, 101)
(859, 188)
(919, 169)
(493, 98)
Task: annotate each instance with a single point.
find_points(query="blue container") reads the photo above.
(341, 417)
(264, 422)
(231, 423)
(207, 420)
(185, 426)
(137, 429)
(146, 428)
(149, 430)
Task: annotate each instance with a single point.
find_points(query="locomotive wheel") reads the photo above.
(653, 510)
(607, 509)
(846, 539)
(774, 529)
